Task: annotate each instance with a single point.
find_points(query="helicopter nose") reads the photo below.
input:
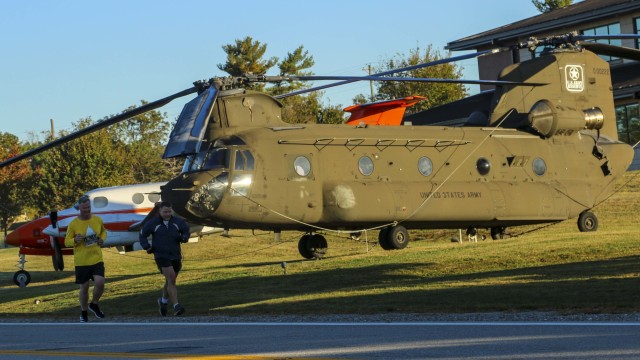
(195, 195)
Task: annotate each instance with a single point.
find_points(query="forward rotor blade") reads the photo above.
(606, 37)
(611, 50)
(408, 68)
(99, 125)
(404, 79)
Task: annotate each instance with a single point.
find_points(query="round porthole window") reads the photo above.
(302, 166)
(483, 165)
(137, 198)
(425, 166)
(154, 197)
(539, 166)
(365, 164)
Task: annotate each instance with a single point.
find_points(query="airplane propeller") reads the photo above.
(56, 257)
(53, 216)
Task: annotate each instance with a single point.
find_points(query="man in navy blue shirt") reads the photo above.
(167, 232)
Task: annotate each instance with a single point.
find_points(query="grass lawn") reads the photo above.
(549, 268)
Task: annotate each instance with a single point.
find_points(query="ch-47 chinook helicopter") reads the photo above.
(542, 148)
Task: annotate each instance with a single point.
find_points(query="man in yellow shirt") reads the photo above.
(86, 234)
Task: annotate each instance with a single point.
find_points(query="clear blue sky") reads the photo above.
(70, 59)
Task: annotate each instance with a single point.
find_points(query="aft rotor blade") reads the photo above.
(404, 79)
(99, 125)
(394, 71)
(611, 50)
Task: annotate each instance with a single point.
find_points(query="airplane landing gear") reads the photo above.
(312, 246)
(21, 277)
(587, 221)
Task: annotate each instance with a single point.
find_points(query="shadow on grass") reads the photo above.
(595, 286)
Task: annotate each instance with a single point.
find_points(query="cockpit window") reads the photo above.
(244, 160)
(249, 157)
(217, 158)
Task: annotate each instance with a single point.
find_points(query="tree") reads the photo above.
(294, 64)
(245, 56)
(12, 178)
(545, 6)
(143, 138)
(436, 93)
(129, 152)
(89, 162)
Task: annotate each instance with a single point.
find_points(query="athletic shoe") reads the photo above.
(83, 317)
(96, 310)
(178, 310)
(163, 307)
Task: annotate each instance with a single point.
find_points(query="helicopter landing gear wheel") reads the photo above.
(312, 246)
(396, 238)
(21, 278)
(383, 239)
(497, 232)
(587, 221)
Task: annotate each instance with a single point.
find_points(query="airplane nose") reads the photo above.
(23, 234)
(12, 239)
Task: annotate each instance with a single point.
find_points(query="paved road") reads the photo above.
(536, 340)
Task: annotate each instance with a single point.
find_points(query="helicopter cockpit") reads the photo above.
(224, 168)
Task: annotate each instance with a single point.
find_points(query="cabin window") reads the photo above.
(137, 198)
(539, 166)
(154, 197)
(100, 202)
(425, 166)
(365, 164)
(483, 166)
(302, 166)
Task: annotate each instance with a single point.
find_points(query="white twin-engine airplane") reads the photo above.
(123, 209)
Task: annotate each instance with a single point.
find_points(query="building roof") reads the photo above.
(570, 16)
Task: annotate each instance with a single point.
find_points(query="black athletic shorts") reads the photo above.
(86, 273)
(176, 264)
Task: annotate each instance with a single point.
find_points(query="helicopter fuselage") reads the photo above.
(350, 177)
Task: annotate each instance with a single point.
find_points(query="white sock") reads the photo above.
(164, 301)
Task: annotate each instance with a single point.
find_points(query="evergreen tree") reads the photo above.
(246, 57)
(545, 6)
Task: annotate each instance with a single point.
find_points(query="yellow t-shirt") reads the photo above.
(86, 252)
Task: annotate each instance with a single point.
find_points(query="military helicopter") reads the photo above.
(540, 148)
